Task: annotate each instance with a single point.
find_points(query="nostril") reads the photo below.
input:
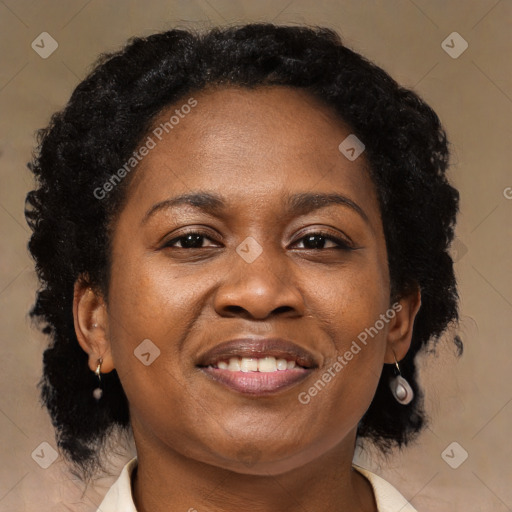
(283, 309)
(235, 309)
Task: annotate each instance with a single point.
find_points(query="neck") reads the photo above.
(166, 479)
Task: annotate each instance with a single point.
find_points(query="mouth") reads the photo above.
(257, 366)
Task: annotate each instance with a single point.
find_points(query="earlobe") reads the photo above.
(400, 333)
(91, 325)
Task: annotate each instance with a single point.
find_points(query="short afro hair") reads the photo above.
(104, 121)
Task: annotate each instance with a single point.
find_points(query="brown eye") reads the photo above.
(317, 241)
(190, 240)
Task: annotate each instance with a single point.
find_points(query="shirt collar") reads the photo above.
(388, 499)
(119, 497)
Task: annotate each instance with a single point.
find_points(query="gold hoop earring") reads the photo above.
(98, 392)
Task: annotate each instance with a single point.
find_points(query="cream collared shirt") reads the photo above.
(119, 496)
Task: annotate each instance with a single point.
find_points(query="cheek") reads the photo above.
(348, 306)
(348, 301)
(151, 313)
(346, 384)
(150, 299)
(150, 296)
(148, 314)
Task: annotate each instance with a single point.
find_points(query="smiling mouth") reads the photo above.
(256, 376)
(257, 367)
(257, 383)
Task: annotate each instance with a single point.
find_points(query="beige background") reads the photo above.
(468, 399)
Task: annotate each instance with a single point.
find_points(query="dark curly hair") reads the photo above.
(111, 111)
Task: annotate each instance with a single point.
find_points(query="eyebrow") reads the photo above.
(297, 204)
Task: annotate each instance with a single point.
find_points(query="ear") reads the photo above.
(401, 326)
(91, 324)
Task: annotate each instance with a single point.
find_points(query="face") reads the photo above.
(253, 262)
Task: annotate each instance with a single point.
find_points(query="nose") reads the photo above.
(259, 289)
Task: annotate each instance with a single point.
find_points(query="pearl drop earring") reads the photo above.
(400, 388)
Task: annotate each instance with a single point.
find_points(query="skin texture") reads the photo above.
(201, 445)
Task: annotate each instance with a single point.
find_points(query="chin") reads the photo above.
(251, 460)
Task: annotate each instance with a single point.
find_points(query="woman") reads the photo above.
(242, 238)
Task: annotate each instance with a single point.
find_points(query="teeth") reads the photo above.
(234, 364)
(282, 364)
(249, 364)
(267, 364)
(252, 364)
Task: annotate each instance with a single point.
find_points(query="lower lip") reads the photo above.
(258, 383)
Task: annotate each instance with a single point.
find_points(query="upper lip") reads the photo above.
(258, 348)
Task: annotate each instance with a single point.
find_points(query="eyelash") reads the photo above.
(342, 244)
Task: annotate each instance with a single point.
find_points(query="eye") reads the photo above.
(317, 241)
(189, 240)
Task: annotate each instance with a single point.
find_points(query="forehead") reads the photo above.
(250, 143)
